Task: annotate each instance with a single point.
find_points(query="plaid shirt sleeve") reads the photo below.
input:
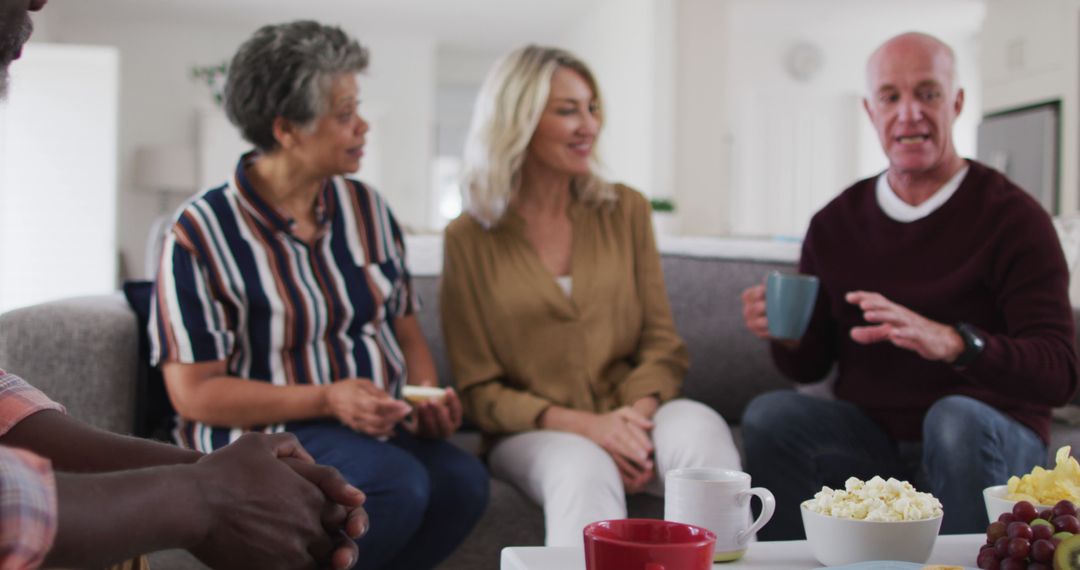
(27, 487)
(28, 513)
(18, 400)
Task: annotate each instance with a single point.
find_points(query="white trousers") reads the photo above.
(577, 482)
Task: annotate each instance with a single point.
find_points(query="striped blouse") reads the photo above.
(235, 284)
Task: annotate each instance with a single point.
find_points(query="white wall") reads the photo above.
(702, 117)
(399, 92)
(1031, 54)
(158, 100)
(159, 103)
(458, 76)
(58, 181)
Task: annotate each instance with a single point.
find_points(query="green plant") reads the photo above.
(214, 78)
(662, 204)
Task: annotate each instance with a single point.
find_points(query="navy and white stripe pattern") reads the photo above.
(236, 285)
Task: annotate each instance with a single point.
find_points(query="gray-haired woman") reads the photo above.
(283, 303)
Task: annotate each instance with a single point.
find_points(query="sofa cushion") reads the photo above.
(728, 364)
(80, 352)
(154, 413)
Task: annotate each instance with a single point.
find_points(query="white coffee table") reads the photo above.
(956, 549)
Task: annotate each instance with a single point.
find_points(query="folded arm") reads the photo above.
(76, 447)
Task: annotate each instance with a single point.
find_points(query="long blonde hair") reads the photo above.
(505, 116)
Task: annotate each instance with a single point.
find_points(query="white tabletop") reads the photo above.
(957, 550)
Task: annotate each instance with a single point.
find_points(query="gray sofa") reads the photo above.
(83, 352)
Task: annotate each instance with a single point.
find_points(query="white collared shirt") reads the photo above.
(565, 283)
(901, 211)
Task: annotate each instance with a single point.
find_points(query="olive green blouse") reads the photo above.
(517, 344)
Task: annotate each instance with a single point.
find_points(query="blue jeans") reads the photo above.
(423, 496)
(796, 443)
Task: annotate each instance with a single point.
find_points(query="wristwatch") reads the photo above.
(974, 343)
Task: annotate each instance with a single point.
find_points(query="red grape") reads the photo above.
(1038, 566)
(1064, 507)
(1006, 518)
(1019, 548)
(1017, 529)
(1001, 547)
(995, 530)
(1067, 523)
(1013, 564)
(987, 559)
(1046, 514)
(1042, 551)
(1024, 511)
(1041, 531)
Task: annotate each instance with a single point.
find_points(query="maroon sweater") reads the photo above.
(989, 256)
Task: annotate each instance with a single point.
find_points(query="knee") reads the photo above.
(681, 421)
(468, 480)
(688, 410)
(408, 490)
(586, 468)
(955, 420)
(773, 413)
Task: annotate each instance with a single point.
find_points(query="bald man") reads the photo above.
(943, 307)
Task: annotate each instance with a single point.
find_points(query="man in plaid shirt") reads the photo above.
(27, 485)
(124, 496)
(72, 495)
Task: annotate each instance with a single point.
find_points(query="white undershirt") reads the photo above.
(901, 211)
(565, 283)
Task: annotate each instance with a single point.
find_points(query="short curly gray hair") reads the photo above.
(285, 70)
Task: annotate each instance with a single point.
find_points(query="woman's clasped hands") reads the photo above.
(624, 434)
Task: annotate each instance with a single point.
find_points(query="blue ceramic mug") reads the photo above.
(789, 303)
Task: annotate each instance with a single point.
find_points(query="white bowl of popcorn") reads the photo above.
(874, 520)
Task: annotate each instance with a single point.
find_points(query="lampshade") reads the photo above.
(165, 168)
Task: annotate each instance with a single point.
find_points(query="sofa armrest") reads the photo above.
(82, 352)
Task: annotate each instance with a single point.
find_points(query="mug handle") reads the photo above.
(768, 505)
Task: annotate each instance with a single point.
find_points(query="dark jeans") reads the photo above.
(796, 443)
(423, 496)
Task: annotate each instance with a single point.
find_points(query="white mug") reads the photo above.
(719, 500)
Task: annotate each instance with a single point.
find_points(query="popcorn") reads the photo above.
(875, 500)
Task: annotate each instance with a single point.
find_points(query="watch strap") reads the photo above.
(974, 343)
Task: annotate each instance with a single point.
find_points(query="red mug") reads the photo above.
(647, 544)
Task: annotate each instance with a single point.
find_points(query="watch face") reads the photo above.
(971, 336)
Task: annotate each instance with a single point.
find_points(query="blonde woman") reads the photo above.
(554, 310)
